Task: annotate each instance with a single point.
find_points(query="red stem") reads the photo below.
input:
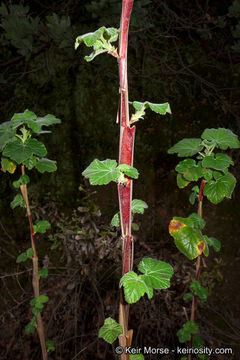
(126, 150)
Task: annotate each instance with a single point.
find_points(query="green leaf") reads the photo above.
(128, 170)
(46, 120)
(135, 287)
(211, 241)
(102, 172)
(223, 187)
(41, 226)
(192, 197)
(30, 327)
(140, 107)
(187, 239)
(217, 162)
(188, 296)
(199, 290)
(42, 299)
(18, 151)
(19, 119)
(43, 273)
(110, 330)
(157, 274)
(30, 253)
(8, 165)
(100, 40)
(116, 220)
(44, 164)
(136, 357)
(190, 170)
(24, 179)
(30, 163)
(181, 181)
(186, 147)
(22, 257)
(17, 201)
(207, 174)
(7, 133)
(189, 328)
(50, 345)
(224, 138)
(199, 223)
(138, 206)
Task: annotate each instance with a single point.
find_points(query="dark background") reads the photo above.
(186, 53)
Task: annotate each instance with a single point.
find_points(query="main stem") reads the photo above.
(35, 278)
(126, 150)
(198, 267)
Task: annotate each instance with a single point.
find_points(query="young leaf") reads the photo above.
(135, 287)
(46, 120)
(110, 330)
(30, 163)
(22, 118)
(41, 299)
(217, 162)
(199, 290)
(216, 244)
(8, 165)
(30, 253)
(136, 357)
(224, 138)
(140, 107)
(116, 220)
(186, 147)
(187, 239)
(43, 273)
(50, 345)
(192, 197)
(22, 257)
(138, 206)
(17, 201)
(30, 327)
(100, 40)
(44, 164)
(188, 296)
(128, 170)
(41, 226)
(207, 174)
(102, 172)
(157, 274)
(189, 328)
(222, 187)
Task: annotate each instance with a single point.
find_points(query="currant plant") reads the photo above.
(210, 171)
(20, 149)
(155, 274)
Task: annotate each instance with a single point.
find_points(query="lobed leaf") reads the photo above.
(186, 147)
(43, 273)
(190, 170)
(223, 138)
(7, 133)
(217, 162)
(22, 258)
(157, 274)
(189, 328)
(138, 206)
(110, 330)
(199, 290)
(17, 201)
(44, 165)
(18, 151)
(102, 172)
(135, 287)
(211, 241)
(41, 226)
(223, 186)
(50, 345)
(181, 181)
(116, 220)
(128, 170)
